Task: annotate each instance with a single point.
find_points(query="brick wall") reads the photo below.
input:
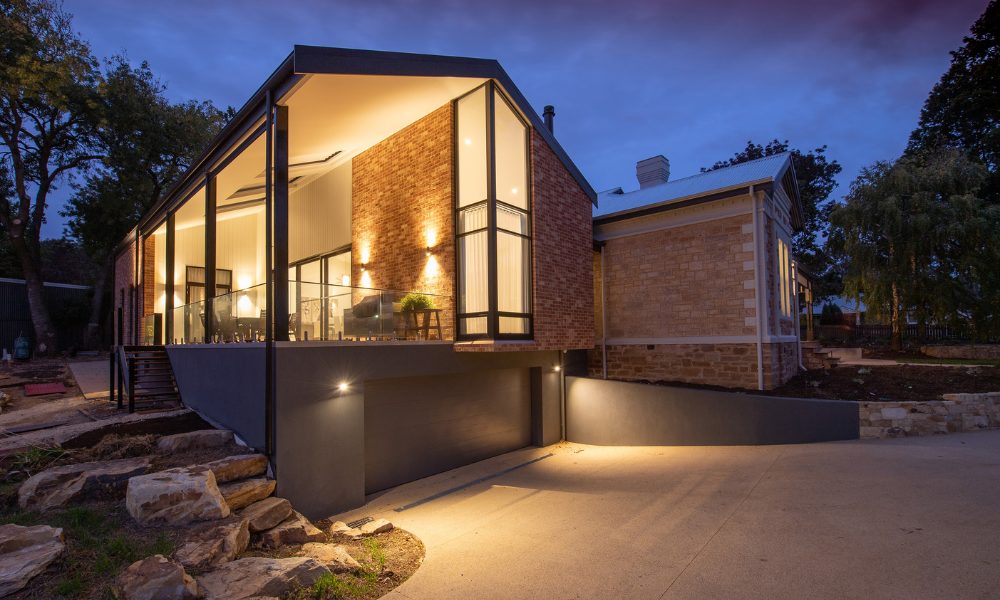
(148, 275)
(124, 280)
(683, 281)
(562, 277)
(401, 190)
(727, 365)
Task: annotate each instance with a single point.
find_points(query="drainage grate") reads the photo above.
(359, 522)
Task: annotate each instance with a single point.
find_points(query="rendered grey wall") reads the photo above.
(419, 426)
(616, 413)
(320, 449)
(225, 383)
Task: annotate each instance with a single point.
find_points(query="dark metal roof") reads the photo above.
(322, 60)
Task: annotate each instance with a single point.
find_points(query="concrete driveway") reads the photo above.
(909, 518)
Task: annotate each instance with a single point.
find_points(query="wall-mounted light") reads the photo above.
(343, 387)
(557, 368)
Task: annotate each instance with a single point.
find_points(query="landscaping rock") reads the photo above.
(343, 530)
(244, 493)
(265, 514)
(257, 576)
(333, 556)
(375, 527)
(239, 466)
(58, 486)
(175, 497)
(294, 530)
(194, 440)
(214, 545)
(156, 578)
(26, 552)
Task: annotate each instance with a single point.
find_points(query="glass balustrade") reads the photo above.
(318, 312)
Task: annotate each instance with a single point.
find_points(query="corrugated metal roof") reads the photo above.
(769, 168)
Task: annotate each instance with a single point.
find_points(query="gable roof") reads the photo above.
(308, 60)
(772, 169)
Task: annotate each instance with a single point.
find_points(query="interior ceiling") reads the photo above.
(331, 119)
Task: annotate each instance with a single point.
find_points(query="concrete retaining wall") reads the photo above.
(225, 384)
(968, 351)
(616, 413)
(955, 413)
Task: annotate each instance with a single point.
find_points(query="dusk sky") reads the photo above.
(629, 79)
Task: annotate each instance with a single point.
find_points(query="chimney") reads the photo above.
(652, 171)
(550, 115)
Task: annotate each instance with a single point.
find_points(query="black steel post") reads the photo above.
(209, 257)
(131, 385)
(281, 223)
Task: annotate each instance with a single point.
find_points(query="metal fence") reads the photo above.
(69, 306)
(876, 333)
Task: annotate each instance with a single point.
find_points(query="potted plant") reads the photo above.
(415, 301)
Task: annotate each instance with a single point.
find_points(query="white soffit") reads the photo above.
(350, 113)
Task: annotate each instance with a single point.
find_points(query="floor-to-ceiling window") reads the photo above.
(239, 307)
(493, 217)
(189, 251)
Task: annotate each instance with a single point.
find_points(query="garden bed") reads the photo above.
(890, 383)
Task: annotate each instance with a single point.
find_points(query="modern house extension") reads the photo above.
(694, 280)
(373, 273)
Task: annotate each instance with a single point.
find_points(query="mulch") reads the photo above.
(890, 383)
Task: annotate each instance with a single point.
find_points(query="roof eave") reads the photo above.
(708, 196)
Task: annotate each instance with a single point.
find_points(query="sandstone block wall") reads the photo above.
(954, 413)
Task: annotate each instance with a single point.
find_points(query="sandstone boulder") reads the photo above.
(333, 556)
(294, 530)
(375, 527)
(265, 514)
(257, 576)
(193, 440)
(339, 529)
(58, 486)
(240, 494)
(214, 545)
(239, 466)
(25, 552)
(156, 578)
(175, 497)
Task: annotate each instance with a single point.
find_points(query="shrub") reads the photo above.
(415, 301)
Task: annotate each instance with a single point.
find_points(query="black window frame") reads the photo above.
(493, 314)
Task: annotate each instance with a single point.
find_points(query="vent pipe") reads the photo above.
(550, 115)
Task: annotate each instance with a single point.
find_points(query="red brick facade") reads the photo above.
(401, 192)
(123, 288)
(562, 277)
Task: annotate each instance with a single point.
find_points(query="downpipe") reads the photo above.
(604, 319)
(756, 290)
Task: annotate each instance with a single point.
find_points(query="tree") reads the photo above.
(47, 124)
(815, 175)
(919, 240)
(146, 143)
(963, 108)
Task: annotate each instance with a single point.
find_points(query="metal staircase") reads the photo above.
(145, 378)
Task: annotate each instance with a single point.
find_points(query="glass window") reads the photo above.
(472, 151)
(157, 245)
(507, 201)
(189, 251)
(510, 139)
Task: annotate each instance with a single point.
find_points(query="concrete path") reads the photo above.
(908, 518)
(92, 376)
